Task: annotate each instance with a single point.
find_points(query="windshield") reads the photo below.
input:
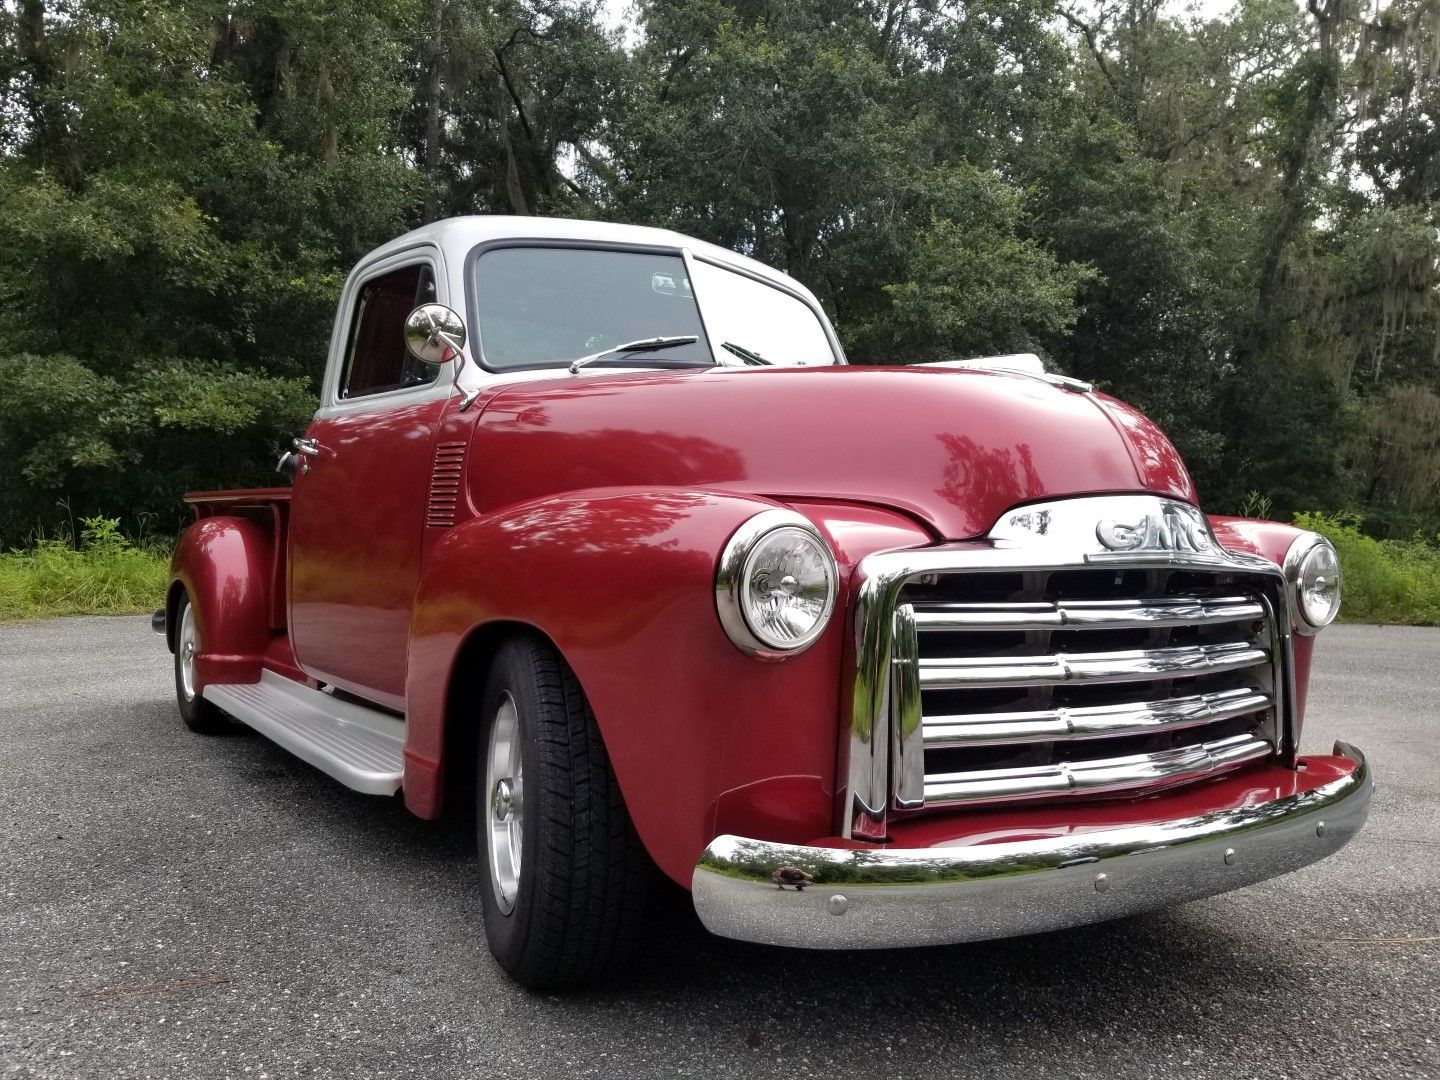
(760, 319)
(547, 306)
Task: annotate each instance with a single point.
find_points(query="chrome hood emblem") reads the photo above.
(1171, 526)
(1114, 528)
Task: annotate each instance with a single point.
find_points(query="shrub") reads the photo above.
(72, 436)
(105, 575)
(1386, 581)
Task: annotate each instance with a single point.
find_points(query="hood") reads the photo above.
(952, 448)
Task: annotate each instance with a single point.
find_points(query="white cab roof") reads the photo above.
(457, 236)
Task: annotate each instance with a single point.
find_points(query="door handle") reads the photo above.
(297, 460)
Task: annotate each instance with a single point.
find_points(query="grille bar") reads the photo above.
(1090, 722)
(957, 673)
(1088, 614)
(1178, 765)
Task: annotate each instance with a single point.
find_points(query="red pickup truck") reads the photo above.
(595, 535)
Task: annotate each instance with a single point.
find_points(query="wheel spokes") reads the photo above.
(505, 803)
(186, 645)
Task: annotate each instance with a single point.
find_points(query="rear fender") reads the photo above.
(621, 581)
(224, 565)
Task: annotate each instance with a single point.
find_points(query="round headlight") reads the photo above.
(775, 585)
(1314, 572)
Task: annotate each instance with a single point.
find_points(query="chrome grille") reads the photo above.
(1063, 687)
(1087, 646)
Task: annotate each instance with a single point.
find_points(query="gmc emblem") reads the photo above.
(1174, 528)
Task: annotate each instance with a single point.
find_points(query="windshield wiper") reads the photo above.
(754, 359)
(654, 344)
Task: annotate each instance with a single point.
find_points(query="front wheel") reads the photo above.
(566, 879)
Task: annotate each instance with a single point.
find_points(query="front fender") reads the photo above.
(1271, 540)
(224, 565)
(703, 738)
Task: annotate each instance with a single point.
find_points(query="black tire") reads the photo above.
(584, 878)
(200, 716)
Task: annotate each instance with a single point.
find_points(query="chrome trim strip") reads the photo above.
(1133, 665)
(868, 898)
(1134, 772)
(1088, 614)
(907, 724)
(688, 259)
(1091, 721)
(1282, 686)
(1018, 365)
(1041, 537)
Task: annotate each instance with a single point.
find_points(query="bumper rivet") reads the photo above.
(1320, 828)
(837, 905)
(1102, 883)
(1229, 856)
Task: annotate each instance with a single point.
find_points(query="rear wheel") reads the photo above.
(566, 879)
(200, 716)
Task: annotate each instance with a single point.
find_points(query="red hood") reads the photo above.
(954, 448)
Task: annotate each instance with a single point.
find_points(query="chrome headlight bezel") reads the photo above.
(1299, 562)
(737, 562)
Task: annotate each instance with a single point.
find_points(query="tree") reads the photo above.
(1230, 221)
(172, 238)
(862, 149)
(508, 95)
(1206, 171)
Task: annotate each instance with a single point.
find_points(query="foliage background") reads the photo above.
(1228, 219)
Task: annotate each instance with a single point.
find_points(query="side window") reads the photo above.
(375, 357)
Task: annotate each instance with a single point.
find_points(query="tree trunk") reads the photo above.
(799, 247)
(1296, 166)
(434, 110)
(327, 110)
(514, 190)
(35, 56)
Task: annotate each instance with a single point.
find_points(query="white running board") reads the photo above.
(362, 748)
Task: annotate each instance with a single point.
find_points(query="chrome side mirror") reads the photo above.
(434, 334)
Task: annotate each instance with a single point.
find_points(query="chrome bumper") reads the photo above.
(870, 898)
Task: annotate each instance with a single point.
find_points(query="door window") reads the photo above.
(376, 360)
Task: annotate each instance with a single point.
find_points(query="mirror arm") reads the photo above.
(467, 397)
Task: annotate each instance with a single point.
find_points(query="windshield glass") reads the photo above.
(547, 306)
(539, 306)
(760, 319)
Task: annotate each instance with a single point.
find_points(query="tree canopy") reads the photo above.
(1231, 220)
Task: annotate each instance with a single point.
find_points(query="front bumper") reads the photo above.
(880, 897)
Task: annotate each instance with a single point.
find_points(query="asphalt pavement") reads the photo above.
(177, 906)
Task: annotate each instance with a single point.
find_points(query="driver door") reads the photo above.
(359, 497)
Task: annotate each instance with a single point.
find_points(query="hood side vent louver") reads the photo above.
(445, 485)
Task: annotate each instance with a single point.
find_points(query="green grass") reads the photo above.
(105, 575)
(1386, 581)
